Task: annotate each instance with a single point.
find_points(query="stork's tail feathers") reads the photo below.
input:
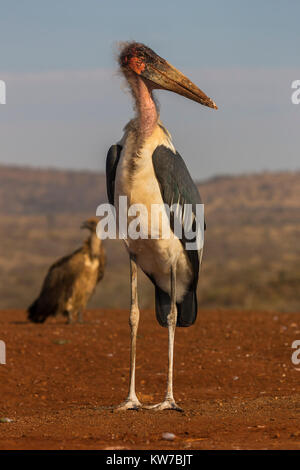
(186, 310)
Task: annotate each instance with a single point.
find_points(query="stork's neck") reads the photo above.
(147, 113)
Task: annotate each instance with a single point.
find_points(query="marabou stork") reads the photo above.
(145, 167)
(71, 281)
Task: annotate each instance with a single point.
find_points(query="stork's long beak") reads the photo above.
(169, 78)
(164, 75)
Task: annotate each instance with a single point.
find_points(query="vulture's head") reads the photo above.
(90, 224)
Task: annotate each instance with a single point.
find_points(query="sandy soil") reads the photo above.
(233, 377)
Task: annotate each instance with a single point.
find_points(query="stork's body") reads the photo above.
(145, 167)
(140, 185)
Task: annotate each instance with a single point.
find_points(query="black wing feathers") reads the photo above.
(112, 161)
(177, 186)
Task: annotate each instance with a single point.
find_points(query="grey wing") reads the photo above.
(112, 160)
(177, 186)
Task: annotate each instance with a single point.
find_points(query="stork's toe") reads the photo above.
(165, 405)
(129, 405)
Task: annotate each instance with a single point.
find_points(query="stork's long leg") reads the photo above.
(169, 402)
(132, 402)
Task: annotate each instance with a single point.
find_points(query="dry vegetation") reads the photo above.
(252, 253)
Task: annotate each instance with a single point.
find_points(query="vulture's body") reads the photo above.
(71, 281)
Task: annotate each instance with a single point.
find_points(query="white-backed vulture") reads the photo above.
(71, 280)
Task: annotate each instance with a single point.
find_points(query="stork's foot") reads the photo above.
(168, 404)
(129, 405)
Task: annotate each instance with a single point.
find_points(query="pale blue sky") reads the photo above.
(65, 105)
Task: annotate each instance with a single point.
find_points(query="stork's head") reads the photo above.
(141, 60)
(90, 224)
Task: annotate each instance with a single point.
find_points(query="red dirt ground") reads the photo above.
(233, 377)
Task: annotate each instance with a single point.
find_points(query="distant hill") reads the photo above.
(37, 191)
(252, 249)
